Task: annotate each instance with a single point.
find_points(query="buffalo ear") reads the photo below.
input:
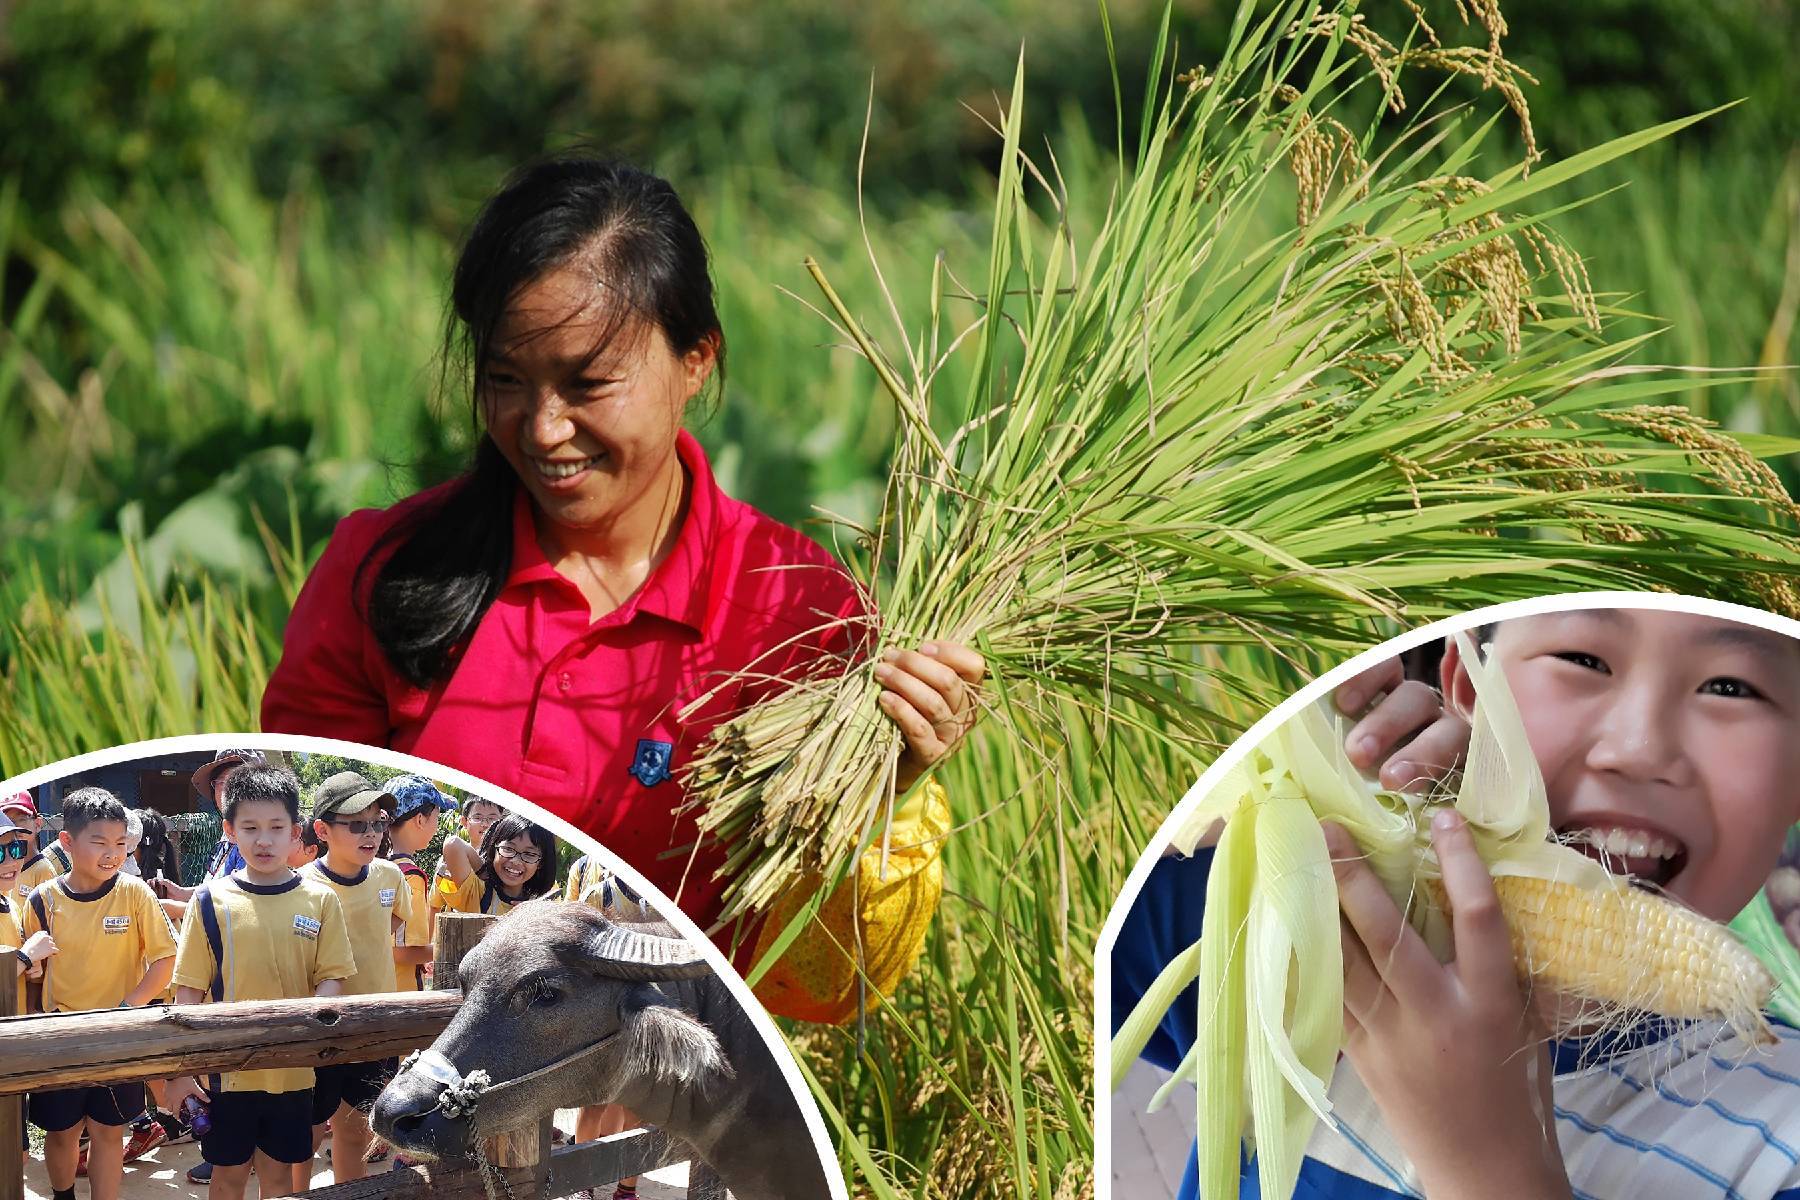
(667, 1046)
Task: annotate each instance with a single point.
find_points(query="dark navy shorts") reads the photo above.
(355, 1084)
(56, 1111)
(277, 1123)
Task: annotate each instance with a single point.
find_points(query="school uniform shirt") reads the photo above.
(410, 977)
(371, 899)
(37, 871)
(12, 938)
(584, 717)
(593, 885)
(582, 876)
(276, 942)
(104, 940)
(474, 895)
(1665, 1110)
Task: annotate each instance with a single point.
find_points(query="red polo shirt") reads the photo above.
(580, 716)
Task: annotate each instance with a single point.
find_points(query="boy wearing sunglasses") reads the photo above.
(24, 953)
(350, 816)
(39, 866)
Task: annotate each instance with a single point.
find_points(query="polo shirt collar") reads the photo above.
(267, 889)
(341, 880)
(99, 893)
(678, 590)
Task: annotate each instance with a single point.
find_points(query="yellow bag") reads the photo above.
(815, 980)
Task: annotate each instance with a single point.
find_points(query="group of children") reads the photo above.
(332, 903)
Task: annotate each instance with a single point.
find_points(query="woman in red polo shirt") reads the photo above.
(546, 620)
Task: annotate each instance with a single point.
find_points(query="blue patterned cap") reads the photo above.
(414, 792)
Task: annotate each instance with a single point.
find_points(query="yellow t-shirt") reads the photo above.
(475, 896)
(12, 937)
(104, 940)
(410, 977)
(37, 870)
(277, 942)
(58, 858)
(372, 898)
(582, 876)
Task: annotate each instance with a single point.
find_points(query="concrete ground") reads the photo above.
(162, 1174)
(1150, 1149)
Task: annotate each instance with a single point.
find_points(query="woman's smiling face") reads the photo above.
(1670, 741)
(585, 408)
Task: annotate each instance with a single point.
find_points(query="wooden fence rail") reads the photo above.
(61, 1050)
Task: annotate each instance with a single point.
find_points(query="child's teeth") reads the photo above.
(1632, 843)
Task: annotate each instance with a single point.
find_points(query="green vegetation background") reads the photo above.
(225, 231)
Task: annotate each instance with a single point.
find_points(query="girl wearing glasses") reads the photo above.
(518, 863)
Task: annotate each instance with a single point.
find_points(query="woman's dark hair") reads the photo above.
(156, 852)
(505, 830)
(448, 561)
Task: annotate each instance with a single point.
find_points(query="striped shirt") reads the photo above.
(1663, 1111)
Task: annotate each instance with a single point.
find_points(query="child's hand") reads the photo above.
(176, 1091)
(38, 947)
(930, 694)
(1404, 728)
(1447, 1050)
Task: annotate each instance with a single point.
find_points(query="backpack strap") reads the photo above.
(209, 921)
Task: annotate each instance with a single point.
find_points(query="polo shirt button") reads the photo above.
(563, 681)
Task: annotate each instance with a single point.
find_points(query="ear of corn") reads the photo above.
(1269, 960)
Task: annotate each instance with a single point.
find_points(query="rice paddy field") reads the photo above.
(224, 274)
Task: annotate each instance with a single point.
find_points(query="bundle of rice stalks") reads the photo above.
(1203, 427)
(1269, 959)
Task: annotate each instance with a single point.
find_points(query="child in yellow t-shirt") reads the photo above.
(262, 932)
(417, 803)
(351, 816)
(24, 956)
(461, 856)
(116, 949)
(517, 863)
(38, 867)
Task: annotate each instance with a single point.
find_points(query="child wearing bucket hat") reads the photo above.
(417, 803)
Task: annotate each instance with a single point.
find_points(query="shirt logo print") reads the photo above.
(116, 924)
(386, 897)
(650, 765)
(306, 927)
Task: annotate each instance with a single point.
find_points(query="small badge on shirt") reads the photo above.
(387, 897)
(650, 765)
(306, 927)
(116, 924)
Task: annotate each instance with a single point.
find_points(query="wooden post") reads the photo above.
(455, 935)
(12, 1108)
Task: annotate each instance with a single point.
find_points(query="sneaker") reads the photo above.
(144, 1138)
(200, 1172)
(177, 1130)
